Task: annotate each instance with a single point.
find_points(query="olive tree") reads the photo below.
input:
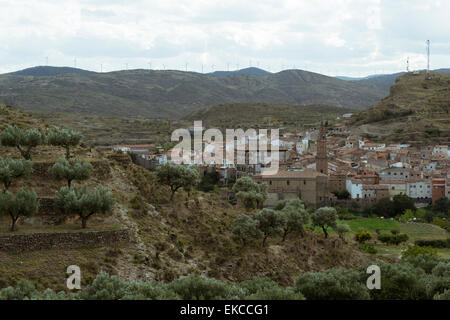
(246, 228)
(177, 176)
(70, 170)
(341, 230)
(11, 169)
(270, 223)
(324, 217)
(333, 284)
(22, 204)
(250, 193)
(23, 140)
(294, 215)
(78, 200)
(64, 137)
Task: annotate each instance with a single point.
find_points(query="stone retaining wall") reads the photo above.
(62, 240)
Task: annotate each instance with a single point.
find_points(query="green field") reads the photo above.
(372, 224)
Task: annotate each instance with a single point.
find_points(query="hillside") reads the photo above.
(249, 71)
(152, 94)
(264, 114)
(168, 238)
(44, 71)
(416, 112)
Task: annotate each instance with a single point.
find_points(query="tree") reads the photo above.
(341, 230)
(208, 181)
(341, 194)
(23, 203)
(251, 193)
(246, 228)
(23, 140)
(195, 287)
(270, 223)
(442, 205)
(177, 176)
(64, 137)
(78, 200)
(333, 284)
(401, 203)
(11, 170)
(384, 207)
(191, 179)
(70, 170)
(294, 216)
(324, 217)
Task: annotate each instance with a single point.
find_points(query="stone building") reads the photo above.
(321, 157)
(309, 185)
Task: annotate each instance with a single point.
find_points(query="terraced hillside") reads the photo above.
(416, 111)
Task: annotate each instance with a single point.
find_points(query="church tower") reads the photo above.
(321, 157)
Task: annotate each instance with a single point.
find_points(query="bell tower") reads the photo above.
(321, 157)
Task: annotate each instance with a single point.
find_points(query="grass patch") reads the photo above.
(372, 224)
(418, 231)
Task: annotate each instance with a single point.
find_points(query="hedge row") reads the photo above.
(434, 243)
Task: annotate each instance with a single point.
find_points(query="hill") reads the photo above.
(253, 115)
(169, 94)
(416, 111)
(169, 238)
(44, 71)
(249, 71)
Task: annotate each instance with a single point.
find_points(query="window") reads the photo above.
(304, 181)
(270, 182)
(287, 182)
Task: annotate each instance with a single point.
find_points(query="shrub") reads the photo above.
(194, 287)
(434, 243)
(333, 284)
(417, 250)
(368, 247)
(267, 289)
(393, 239)
(400, 281)
(363, 236)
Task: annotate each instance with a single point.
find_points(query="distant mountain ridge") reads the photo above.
(44, 71)
(172, 93)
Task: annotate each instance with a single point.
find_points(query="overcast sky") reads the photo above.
(332, 37)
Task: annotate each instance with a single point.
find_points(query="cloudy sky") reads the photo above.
(345, 37)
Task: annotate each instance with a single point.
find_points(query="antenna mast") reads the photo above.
(407, 64)
(428, 59)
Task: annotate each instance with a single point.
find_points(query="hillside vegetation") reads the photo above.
(254, 115)
(416, 112)
(191, 234)
(153, 94)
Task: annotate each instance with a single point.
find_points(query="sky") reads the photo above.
(333, 37)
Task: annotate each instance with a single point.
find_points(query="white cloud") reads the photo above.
(352, 37)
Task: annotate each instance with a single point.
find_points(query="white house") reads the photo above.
(418, 189)
(354, 187)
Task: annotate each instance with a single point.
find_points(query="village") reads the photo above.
(327, 165)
